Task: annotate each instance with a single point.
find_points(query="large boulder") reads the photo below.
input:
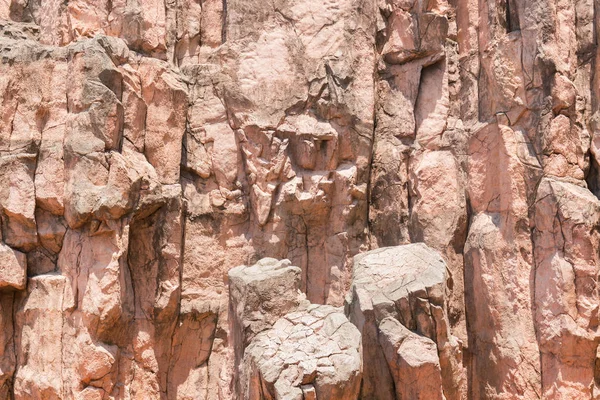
(314, 352)
(408, 284)
(285, 347)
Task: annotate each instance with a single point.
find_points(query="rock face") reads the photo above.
(398, 302)
(285, 347)
(412, 360)
(566, 241)
(149, 148)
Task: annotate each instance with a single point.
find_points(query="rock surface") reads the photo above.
(405, 284)
(258, 296)
(148, 148)
(315, 352)
(412, 360)
(285, 347)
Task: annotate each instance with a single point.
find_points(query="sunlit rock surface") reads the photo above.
(412, 187)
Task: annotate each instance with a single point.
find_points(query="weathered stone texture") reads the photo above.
(285, 347)
(431, 166)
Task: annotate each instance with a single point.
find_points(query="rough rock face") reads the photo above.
(258, 296)
(285, 347)
(307, 354)
(412, 360)
(450, 148)
(405, 287)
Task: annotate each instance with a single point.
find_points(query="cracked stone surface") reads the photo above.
(316, 351)
(432, 164)
(412, 360)
(285, 347)
(406, 284)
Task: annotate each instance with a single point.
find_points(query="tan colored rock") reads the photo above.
(413, 361)
(294, 135)
(13, 268)
(142, 26)
(315, 352)
(406, 283)
(563, 149)
(412, 58)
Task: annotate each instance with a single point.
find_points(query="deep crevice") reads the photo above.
(512, 17)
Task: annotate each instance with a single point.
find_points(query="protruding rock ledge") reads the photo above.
(314, 352)
(259, 295)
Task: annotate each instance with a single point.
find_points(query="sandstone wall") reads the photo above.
(149, 147)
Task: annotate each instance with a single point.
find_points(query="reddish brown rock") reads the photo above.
(7, 344)
(147, 148)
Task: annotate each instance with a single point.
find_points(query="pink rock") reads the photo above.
(147, 148)
(566, 305)
(17, 201)
(39, 349)
(499, 267)
(413, 361)
(563, 149)
(166, 98)
(13, 264)
(407, 284)
(143, 27)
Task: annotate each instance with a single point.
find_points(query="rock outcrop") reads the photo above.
(149, 148)
(314, 353)
(413, 361)
(405, 286)
(285, 347)
(258, 296)
(566, 245)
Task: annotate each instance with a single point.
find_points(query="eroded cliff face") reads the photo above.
(147, 148)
